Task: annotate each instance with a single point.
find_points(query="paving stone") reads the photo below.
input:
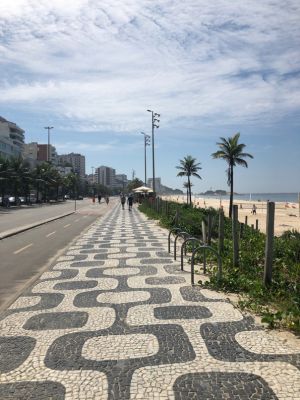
(62, 320)
(14, 351)
(116, 318)
(32, 391)
(222, 385)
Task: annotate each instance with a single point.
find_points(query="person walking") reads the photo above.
(254, 209)
(107, 200)
(123, 200)
(99, 198)
(130, 201)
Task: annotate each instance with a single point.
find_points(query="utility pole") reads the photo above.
(155, 122)
(146, 143)
(48, 147)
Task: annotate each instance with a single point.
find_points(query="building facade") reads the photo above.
(11, 139)
(121, 181)
(77, 161)
(42, 153)
(157, 184)
(105, 176)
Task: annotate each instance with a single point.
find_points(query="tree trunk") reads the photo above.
(187, 196)
(190, 194)
(231, 191)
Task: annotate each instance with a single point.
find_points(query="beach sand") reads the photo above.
(286, 214)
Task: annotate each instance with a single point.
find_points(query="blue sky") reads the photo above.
(92, 68)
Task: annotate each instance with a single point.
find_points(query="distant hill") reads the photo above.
(215, 193)
(166, 190)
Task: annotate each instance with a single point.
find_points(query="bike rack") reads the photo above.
(183, 247)
(204, 248)
(179, 234)
(169, 237)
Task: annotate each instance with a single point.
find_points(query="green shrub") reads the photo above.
(279, 304)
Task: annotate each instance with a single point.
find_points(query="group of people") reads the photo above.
(129, 201)
(106, 198)
(122, 198)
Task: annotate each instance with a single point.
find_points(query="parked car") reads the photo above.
(67, 197)
(8, 201)
(23, 200)
(14, 201)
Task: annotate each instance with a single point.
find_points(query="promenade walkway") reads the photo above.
(116, 319)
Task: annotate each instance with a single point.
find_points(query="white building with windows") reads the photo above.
(11, 139)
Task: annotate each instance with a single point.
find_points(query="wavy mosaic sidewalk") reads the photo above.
(117, 319)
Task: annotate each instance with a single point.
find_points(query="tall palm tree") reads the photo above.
(233, 153)
(188, 167)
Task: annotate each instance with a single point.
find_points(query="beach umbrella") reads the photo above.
(143, 189)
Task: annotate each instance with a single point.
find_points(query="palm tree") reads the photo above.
(233, 153)
(188, 167)
(186, 186)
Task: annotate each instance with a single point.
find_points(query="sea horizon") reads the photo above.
(287, 197)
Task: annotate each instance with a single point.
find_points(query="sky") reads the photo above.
(92, 68)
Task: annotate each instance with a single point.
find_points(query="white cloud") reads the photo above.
(102, 64)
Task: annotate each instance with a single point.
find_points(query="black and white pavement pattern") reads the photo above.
(116, 319)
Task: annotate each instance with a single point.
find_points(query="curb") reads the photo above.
(24, 228)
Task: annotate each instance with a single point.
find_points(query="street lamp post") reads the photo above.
(155, 122)
(146, 143)
(48, 148)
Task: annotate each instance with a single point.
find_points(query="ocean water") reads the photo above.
(276, 197)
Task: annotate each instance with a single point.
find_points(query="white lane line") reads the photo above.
(85, 216)
(50, 234)
(76, 220)
(67, 225)
(23, 248)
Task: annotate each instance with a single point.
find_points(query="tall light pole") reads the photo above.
(155, 122)
(146, 143)
(48, 148)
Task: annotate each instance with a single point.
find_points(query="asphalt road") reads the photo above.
(13, 217)
(23, 257)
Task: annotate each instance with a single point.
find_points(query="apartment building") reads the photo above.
(11, 139)
(77, 161)
(105, 176)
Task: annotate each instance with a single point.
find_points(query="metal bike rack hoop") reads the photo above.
(169, 237)
(179, 234)
(183, 247)
(204, 247)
